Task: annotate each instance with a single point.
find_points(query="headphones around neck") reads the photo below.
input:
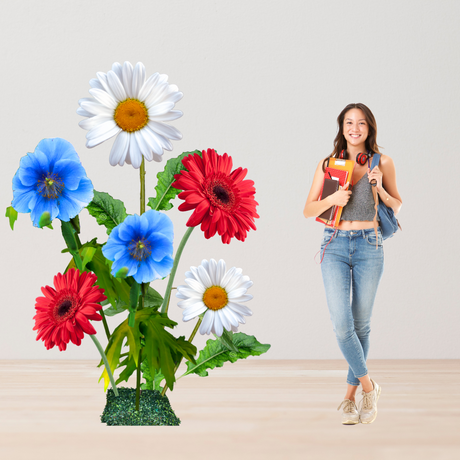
(362, 158)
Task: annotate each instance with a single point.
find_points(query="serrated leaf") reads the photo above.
(215, 353)
(151, 383)
(163, 350)
(113, 350)
(12, 214)
(165, 191)
(107, 210)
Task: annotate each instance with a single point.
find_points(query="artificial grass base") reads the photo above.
(154, 409)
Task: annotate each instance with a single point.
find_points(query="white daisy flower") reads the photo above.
(126, 105)
(218, 294)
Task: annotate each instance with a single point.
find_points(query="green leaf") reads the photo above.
(12, 214)
(87, 253)
(161, 351)
(68, 234)
(107, 210)
(45, 220)
(165, 191)
(215, 354)
(113, 351)
(227, 340)
(151, 383)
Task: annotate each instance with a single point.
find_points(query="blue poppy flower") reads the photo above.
(142, 246)
(51, 182)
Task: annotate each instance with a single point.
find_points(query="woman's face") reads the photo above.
(355, 128)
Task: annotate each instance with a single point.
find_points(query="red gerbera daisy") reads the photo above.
(63, 313)
(223, 201)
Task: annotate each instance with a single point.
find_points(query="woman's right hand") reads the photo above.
(340, 197)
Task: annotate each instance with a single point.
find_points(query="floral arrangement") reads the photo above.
(114, 277)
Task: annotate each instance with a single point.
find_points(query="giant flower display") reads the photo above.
(218, 294)
(127, 105)
(51, 182)
(142, 246)
(223, 201)
(63, 314)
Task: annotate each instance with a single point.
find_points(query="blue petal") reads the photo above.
(57, 149)
(130, 228)
(162, 268)
(125, 261)
(159, 222)
(114, 248)
(22, 198)
(161, 246)
(29, 176)
(145, 273)
(70, 172)
(42, 205)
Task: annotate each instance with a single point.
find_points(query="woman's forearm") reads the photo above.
(315, 208)
(389, 200)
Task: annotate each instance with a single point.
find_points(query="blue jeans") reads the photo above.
(352, 268)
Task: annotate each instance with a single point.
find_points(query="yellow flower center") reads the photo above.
(131, 115)
(215, 298)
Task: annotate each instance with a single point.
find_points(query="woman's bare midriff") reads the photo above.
(355, 224)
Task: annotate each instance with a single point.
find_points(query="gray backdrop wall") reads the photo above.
(264, 82)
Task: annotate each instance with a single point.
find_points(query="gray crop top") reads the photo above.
(361, 204)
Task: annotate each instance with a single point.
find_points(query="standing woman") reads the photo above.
(352, 265)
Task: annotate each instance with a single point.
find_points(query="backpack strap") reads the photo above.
(375, 162)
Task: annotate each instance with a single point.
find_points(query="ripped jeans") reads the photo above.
(352, 268)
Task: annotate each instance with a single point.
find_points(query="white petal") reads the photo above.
(135, 154)
(189, 275)
(84, 113)
(118, 70)
(212, 271)
(96, 109)
(204, 277)
(173, 97)
(104, 98)
(227, 277)
(165, 130)
(243, 298)
(217, 326)
(160, 109)
(188, 302)
(144, 147)
(234, 329)
(152, 140)
(90, 143)
(233, 283)
(128, 78)
(101, 129)
(220, 271)
(102, 77)
(230, 314)
(165, 143)
(242, 309)
(224, 320)
(195, 285)
(158, 92)
(232, 294)
(92, 122)
(170, 116)
(194, 311)
(148, 86)
(116, 86)
(207, 322)
(95, 83)
(138, 79)
(190, 293)
(119, 149)
(205, 264)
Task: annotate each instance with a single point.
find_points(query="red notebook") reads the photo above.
(341, 175)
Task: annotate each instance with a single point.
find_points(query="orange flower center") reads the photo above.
(215, 298)
(131, 115)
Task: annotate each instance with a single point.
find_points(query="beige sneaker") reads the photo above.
(350, 415)
(368, 411)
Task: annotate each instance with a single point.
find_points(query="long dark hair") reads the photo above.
(341, 144)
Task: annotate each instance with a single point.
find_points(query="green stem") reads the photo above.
(192, 336)
(106, 326)
(106, 363)
(138, 380)
(142, 178)
(173, 271)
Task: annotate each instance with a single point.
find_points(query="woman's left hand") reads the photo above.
(376, 175)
